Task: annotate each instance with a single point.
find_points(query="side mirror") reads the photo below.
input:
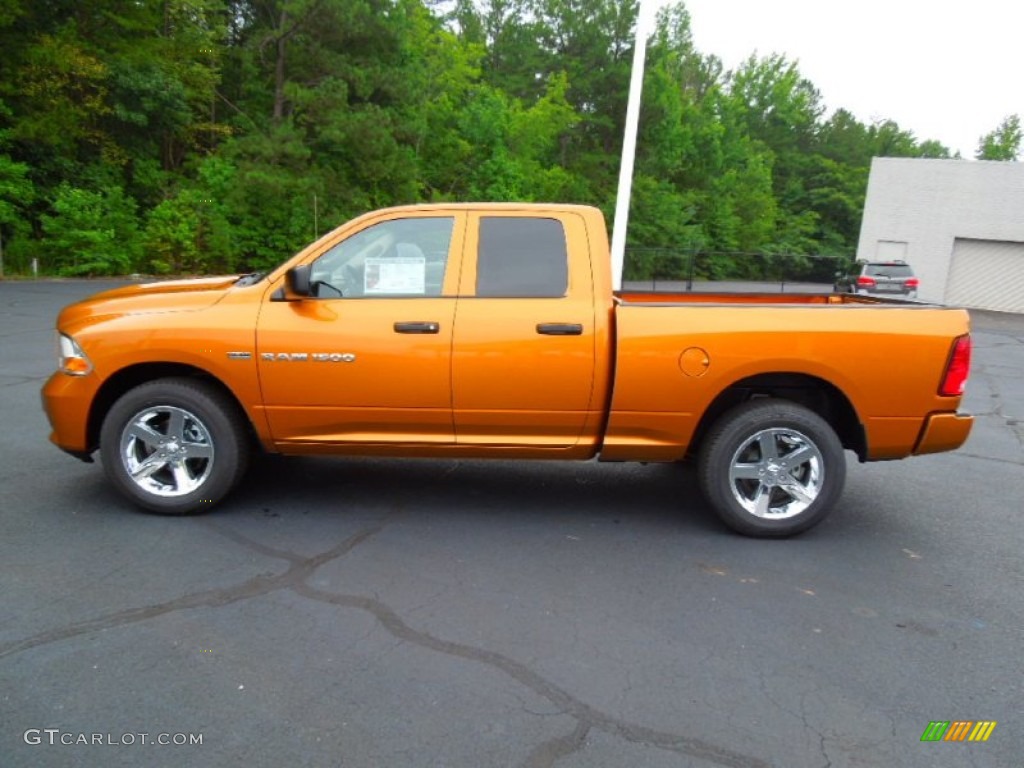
(298, 280)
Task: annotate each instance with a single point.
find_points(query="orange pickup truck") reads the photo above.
(493, 330)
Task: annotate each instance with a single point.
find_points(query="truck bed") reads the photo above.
(677, 353)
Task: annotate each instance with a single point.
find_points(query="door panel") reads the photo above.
(522, 366)
(338, 371)
(370, 362)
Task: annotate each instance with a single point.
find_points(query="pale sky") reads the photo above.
(949, 71)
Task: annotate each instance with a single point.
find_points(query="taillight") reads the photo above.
(911, 282)
(865, 282)
(957, 368)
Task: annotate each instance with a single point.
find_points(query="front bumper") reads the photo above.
(66, 402)
(944, 432)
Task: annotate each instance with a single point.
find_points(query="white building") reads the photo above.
(958, 223)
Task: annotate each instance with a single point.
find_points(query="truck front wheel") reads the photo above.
(174, 446)
(771, 468)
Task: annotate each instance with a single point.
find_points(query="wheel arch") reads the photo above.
(132, 376)
(817, 394)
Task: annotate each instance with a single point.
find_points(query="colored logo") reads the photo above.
(959, 730)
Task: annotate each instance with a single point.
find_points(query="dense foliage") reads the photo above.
(220, 135)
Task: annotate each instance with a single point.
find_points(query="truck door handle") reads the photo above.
(417, 327)
(560, 329)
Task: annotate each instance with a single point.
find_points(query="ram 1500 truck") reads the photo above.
(491, 330)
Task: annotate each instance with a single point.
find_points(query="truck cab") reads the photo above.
(441, 327)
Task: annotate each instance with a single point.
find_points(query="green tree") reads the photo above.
(1003, 143)
(16, 193)
(662, 216)
(441, 73)
(190, 231)
(91, 232)
(16, 196)
(270, 203)
(224, 134)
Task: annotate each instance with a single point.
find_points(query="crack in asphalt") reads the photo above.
(979, 457)
(521, 673)
(824, 751)
(1015, 427)
(263, 584)
(294, 579)
(8, 380)
(550, 752)
(587, 717)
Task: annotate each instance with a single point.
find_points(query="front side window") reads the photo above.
(522, 257)
(402, 257)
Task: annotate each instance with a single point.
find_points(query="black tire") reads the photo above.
(174, 474)
(767, 496)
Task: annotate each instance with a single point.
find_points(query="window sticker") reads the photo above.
(402, 275)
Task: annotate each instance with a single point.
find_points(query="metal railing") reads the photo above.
(696, 270)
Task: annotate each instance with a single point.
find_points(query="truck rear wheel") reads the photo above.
(174, 446)
(771, 468)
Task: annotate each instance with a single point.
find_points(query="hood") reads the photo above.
(166, 296)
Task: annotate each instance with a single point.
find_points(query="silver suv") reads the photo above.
(879, 278)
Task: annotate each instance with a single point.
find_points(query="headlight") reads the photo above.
(72, 361)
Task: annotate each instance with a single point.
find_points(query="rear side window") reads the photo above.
(524, 257)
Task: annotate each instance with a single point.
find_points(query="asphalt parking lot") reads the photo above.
(447, 614)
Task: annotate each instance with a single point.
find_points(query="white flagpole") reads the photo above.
(644, 23)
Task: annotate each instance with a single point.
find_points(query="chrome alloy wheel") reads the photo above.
(167, 451)
(776, 473)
